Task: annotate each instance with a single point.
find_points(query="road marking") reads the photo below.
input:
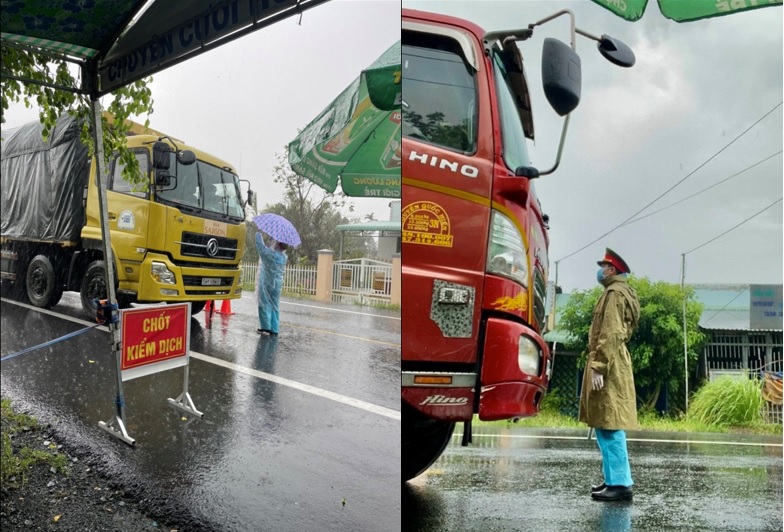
(326, 394)
(338, 310)
(653, 440)
(333, 333)
(343, 311)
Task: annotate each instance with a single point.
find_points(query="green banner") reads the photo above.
(357, 139)
(685, 10)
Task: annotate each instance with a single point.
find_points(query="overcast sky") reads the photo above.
(246, 100)
(637, 132)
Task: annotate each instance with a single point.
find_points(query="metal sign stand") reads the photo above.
(184, 401)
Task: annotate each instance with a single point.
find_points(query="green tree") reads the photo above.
(657, 345)
(314, 213)
(134, 99)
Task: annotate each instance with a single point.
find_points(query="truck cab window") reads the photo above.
(205, 187)
(512, 133)
(120, 184)
(221, 192)
(439, 93)
(186, 191)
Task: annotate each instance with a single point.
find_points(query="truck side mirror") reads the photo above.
(186, 157)
(616, 52)
(250, 197)
(561, 76)
(160, 155)
(162, 180)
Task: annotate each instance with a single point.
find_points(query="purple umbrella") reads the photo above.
(278, 228)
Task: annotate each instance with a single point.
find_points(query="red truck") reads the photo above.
(475, 239)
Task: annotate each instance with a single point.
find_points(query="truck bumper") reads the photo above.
(508, 391)
(188, 282)
(444, 403)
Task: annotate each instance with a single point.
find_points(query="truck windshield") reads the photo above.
(512, 132)
(439, 93)
(206, 189)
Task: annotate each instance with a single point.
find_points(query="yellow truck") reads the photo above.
(180, 239)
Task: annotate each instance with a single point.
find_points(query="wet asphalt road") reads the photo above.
(531, 480)
(293, 426)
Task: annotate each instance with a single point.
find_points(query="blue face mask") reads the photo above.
(600, 275)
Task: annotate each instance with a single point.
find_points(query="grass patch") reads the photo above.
(728, 401)
(15, 464)
(375, 303)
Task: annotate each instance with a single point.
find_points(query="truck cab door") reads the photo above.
(447, 178)
(128, 207)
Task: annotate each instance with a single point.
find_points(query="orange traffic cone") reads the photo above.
(226, 307)
(209, 309)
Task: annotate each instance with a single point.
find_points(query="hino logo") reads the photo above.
(212, 247)
(442, 400)
(443, 164)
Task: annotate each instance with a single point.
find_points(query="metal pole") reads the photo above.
(685, 343)
(114, 326)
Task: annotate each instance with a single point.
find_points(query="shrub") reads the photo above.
(727, 401)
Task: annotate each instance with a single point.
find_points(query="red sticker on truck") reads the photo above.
(426, 223)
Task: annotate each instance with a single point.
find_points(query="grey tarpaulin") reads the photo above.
(42, 183)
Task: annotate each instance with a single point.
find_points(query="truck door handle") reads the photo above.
(112, 216)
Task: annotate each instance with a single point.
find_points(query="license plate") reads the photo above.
(210, 281)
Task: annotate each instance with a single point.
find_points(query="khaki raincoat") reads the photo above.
(615, 317)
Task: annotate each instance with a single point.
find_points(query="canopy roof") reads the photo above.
(120, 41)
(389, 226)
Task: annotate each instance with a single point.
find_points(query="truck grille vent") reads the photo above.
(195, 245)
(540, 288)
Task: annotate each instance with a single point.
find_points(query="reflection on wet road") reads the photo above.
(293, 424)
(528, 480)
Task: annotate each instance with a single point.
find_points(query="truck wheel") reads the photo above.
(93, 287)
(43, 287)
(423, 441)
(197, 306)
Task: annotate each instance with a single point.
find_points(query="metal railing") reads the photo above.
(297, 279)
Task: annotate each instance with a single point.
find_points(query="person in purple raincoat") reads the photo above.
(272, 265)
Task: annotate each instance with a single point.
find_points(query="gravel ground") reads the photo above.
(79, 500)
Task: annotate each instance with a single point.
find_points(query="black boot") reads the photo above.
(613, 493)
(600, 487)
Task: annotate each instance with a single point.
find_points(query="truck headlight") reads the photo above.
(506, 252)
(528, 356)
(162, 274)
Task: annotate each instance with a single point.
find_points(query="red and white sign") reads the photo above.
(154, 339)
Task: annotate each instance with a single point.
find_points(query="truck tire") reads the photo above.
(44, 288)
(423, 441)
(93, 287)
(197, 306)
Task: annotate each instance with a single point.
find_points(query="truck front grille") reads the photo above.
(195, 245)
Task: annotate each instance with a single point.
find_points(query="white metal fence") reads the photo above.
(299, 279)
(362, 281)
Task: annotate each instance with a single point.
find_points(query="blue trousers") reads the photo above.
(615, 458)
(269, 319)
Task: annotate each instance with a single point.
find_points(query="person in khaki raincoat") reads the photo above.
(608, 401)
